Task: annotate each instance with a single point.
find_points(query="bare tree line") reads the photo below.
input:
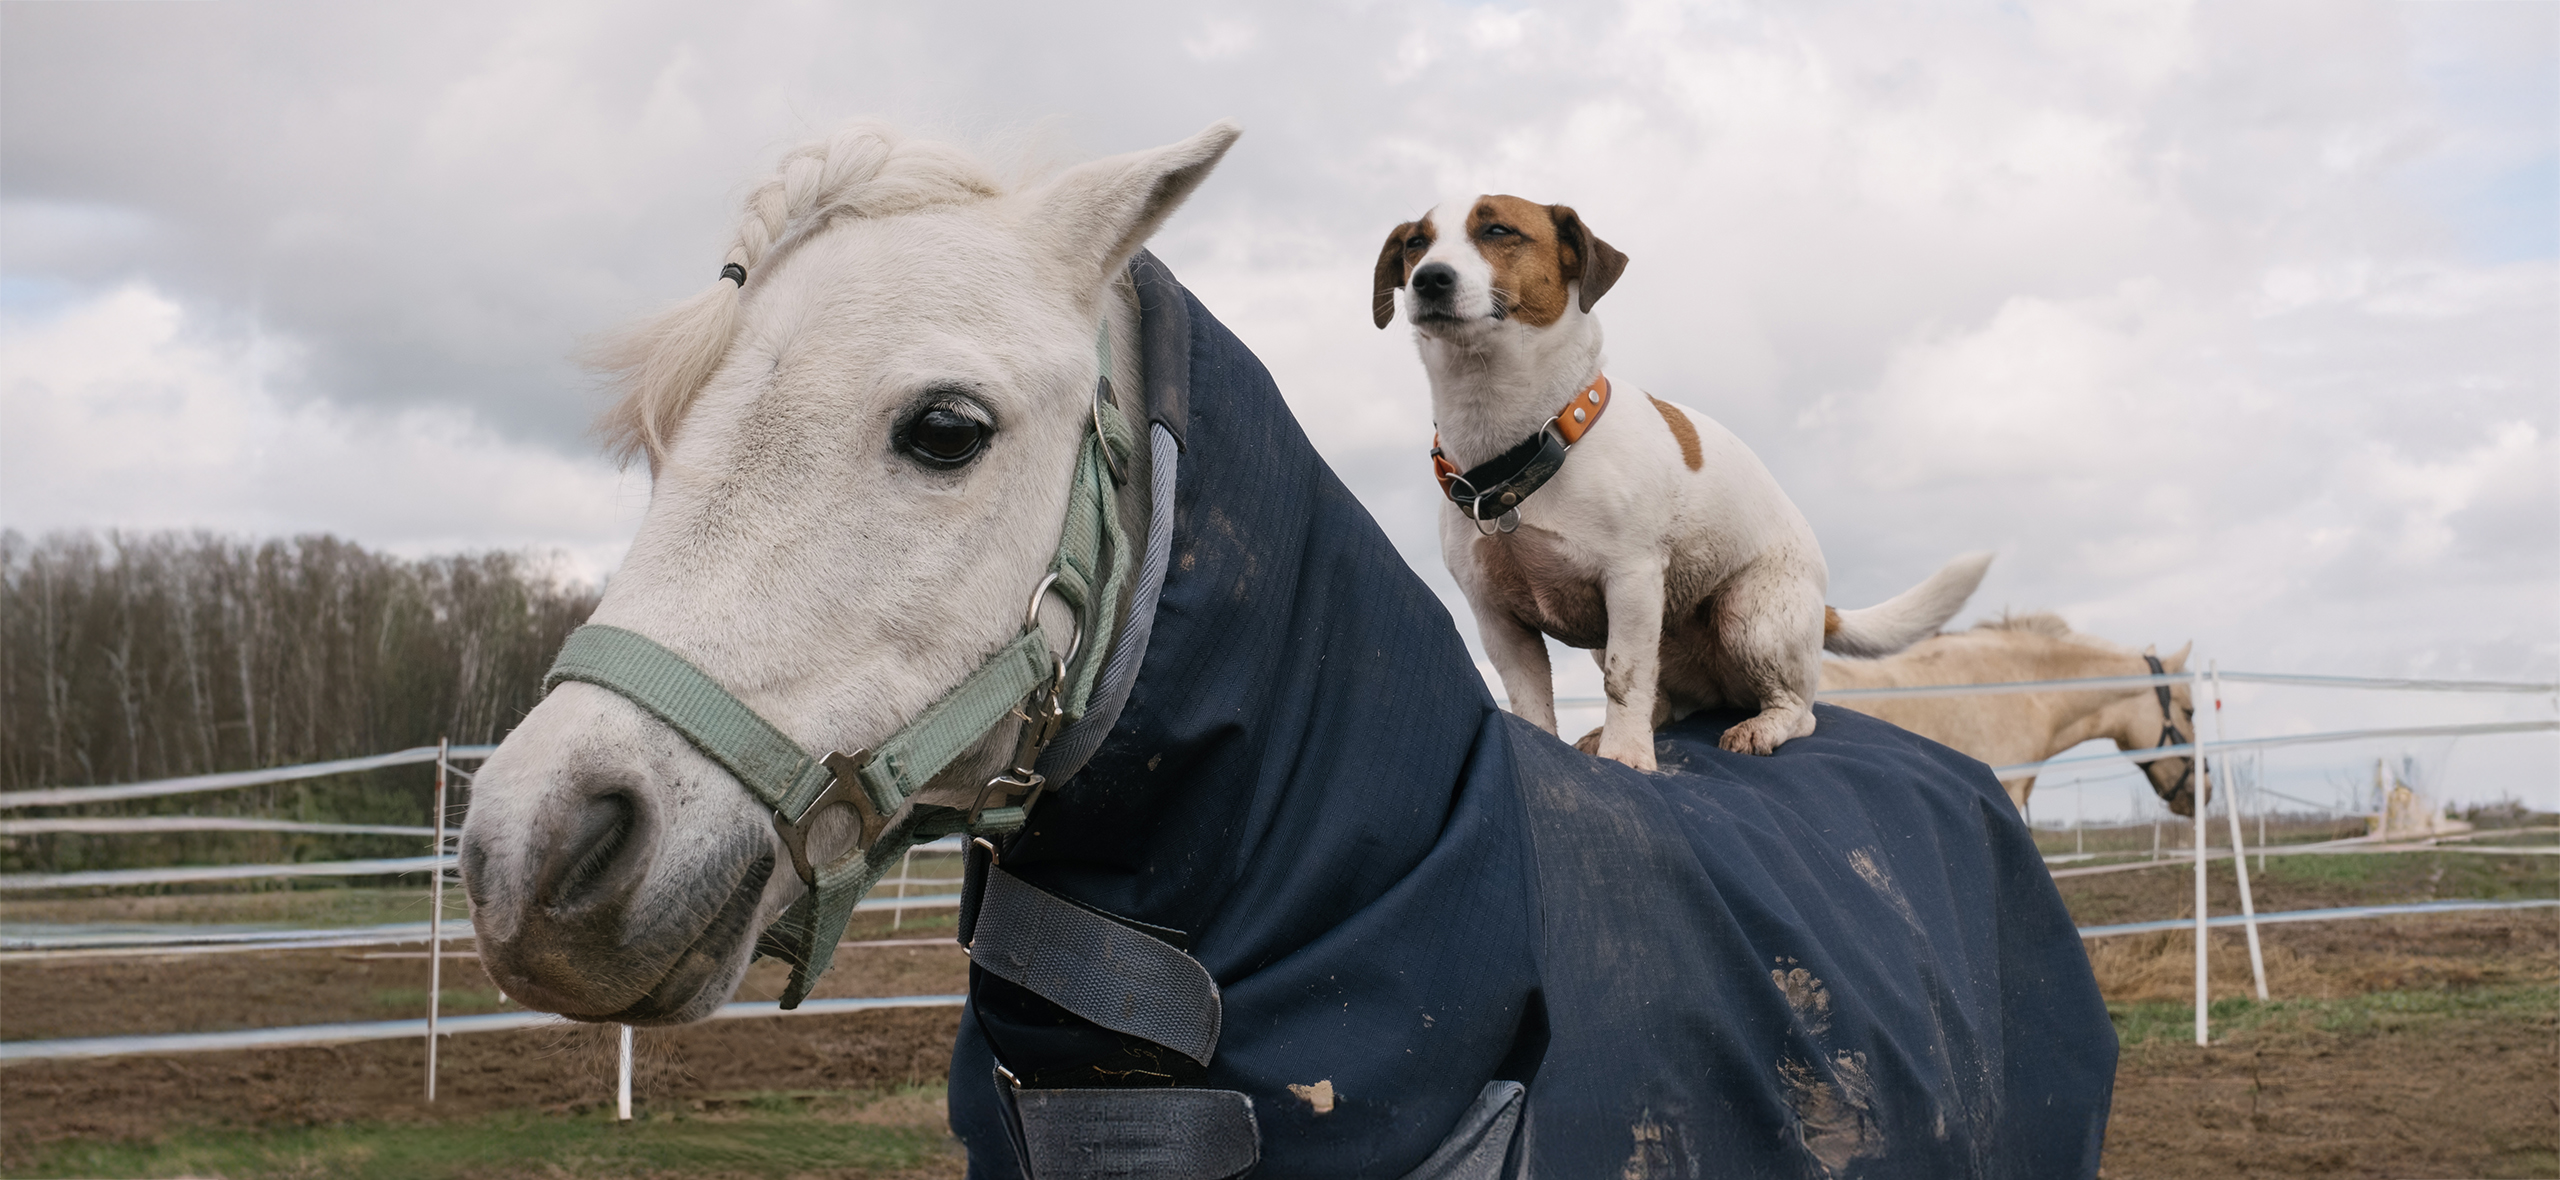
(131, 656)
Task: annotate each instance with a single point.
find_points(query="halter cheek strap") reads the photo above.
(2169, 735)
(1023, 679)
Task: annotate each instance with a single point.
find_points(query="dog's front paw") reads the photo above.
(1637, 753)
(1760, 735)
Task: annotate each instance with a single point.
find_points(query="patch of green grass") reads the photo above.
(761, 1135)
(2377, 1012)
(2423, 874)
(412, 1001)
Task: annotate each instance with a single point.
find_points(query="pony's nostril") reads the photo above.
(598, 842)
(475, 860)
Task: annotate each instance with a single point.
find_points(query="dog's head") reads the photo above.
(1489, 260)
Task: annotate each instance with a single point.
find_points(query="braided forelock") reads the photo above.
(863, 170)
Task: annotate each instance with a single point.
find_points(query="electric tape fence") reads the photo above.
(23, 941)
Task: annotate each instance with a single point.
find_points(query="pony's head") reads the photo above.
(861, 437)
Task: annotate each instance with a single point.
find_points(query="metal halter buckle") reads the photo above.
(1043, 714)
(844, 790)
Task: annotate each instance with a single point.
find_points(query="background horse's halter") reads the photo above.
(2169, 735)
(1023, 680)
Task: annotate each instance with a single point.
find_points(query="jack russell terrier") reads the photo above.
(1651, 536)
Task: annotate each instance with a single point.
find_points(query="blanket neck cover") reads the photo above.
(1843, 960)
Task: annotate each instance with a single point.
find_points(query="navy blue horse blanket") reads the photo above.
(1844, 960)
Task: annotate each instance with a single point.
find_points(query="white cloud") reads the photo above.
(122, 412)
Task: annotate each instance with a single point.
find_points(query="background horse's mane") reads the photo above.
(2042, 622)
(862, 170)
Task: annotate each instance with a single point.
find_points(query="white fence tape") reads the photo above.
(116, 825)
(2170, 679)
(102, 936)
(28, 941)
(2268, 743)
(2329, 915)
(228, 780)
(401, 1030)
(177, 874)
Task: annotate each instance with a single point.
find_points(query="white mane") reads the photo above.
(862, 170)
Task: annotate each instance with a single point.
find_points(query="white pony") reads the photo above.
(2009, 729)
(898, 358)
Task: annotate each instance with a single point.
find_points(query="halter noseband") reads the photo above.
(2169, 735)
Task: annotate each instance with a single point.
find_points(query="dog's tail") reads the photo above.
(1908, 617)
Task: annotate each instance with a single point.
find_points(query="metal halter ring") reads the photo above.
(1075, 622)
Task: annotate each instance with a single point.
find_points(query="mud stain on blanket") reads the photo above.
(1835, 1118)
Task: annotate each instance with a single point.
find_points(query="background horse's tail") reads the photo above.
(1908, 617)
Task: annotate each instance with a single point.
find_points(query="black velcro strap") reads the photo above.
(1100, 969)
(1147, 1134)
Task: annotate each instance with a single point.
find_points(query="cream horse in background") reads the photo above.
(2006, 729)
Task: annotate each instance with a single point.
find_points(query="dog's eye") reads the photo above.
(943, 436)
(1499, 231)
(1417, 242)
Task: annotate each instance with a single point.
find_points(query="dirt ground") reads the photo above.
(2424, 1046)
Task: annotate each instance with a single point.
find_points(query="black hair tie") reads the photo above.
(734, 273)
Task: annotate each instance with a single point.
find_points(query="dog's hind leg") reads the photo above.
(1631, 666)
(1769, 630)
(1519, 655)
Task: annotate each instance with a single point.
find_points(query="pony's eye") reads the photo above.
(944, 437)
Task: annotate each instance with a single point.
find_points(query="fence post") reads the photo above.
(2203, 791)
(2257, 785)
(2239, 852)
(435, 918)
(622, 1091)
(898, 916)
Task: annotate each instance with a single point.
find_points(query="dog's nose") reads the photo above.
(1435, 280)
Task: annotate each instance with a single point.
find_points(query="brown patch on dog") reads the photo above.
(1680, 429)
(1595, 264)
(1535, 250)
(1395, 260)
(1830, 621)
(1518, 238)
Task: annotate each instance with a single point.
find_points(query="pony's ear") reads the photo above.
(2178, 662)
(1097, 215)
(1382, 288)
(1594, 263)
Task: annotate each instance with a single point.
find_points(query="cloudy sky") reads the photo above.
(2237, 322)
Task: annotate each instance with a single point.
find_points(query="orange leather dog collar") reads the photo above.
(1592, 401)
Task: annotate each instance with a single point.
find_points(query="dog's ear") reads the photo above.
(1382, 298)
(1594, 263)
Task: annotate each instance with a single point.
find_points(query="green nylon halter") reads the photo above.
(1022, 679)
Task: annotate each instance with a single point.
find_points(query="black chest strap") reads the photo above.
(1130, 978)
